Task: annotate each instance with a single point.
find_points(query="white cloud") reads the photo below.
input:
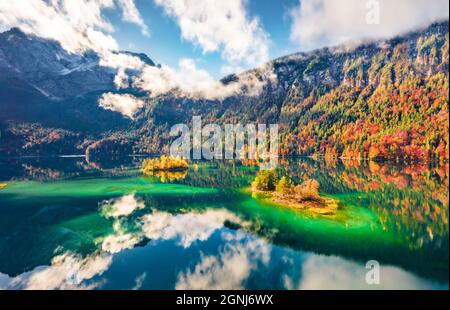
(77, 25)
(187, 78)
(131, 14)
(186, 228)
(230, 268)
(117, 243)
(122, 61)
(319, 23)
(122, 206)
(332, 272)
(223, 26)
(119, 209)
(67, 271)
(139, 281)
(197, 83)
(121, 80)
(126, 104)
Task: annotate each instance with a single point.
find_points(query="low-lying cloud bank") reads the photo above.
(187, 81)
(196, 83)
(320, 23)
(126, 104)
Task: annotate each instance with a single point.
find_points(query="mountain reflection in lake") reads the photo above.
(69, 224)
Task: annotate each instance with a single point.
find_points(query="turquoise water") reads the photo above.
(69, 224)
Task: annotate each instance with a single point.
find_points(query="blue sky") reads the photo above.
(165, 44)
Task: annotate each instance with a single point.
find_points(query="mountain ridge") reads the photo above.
(322, 96)
(377, 100)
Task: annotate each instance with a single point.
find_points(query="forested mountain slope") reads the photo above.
(380, 100)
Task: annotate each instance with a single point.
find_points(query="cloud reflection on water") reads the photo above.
(237, 260)
(230, 268)
(320, 272)
(67, 271)
(72, 271)
(186, 228)
(122, 206)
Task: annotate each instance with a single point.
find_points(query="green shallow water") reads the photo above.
(96, 187)
(63, 226)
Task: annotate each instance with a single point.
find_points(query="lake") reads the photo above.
(66, 223)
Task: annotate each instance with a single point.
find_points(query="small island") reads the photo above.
(283, 191)
(3, 185)
(164, 163)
